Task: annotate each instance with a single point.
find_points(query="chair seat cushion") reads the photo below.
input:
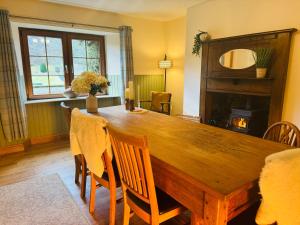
(105, 176)
(157, 98)
(165, 202)
(116, 172)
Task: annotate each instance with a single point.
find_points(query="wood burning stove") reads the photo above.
(248, 121)
(241, 113)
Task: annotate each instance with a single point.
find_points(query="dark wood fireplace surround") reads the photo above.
(226, 92)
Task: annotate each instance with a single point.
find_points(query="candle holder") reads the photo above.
(131, 105)
(127, 104)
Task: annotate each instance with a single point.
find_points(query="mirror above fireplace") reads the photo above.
(237, 59)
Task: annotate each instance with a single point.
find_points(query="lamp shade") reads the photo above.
(165, 64)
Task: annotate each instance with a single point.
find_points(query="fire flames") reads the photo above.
(240, 122)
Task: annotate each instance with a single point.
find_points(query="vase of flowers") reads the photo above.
(91, 83)
(91, 102)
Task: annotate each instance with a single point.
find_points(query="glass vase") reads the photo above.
(91, 104)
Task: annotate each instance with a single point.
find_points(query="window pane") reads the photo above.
(40, 90)
(40, 81)
(54, 46)
(79, 65)
(93, 50)
(57, 81)
(75, 76)
(78, 48)
(48, 56)
(36, 46)
(56, 66)
(93, 65)
(38, 66)
(57, 90)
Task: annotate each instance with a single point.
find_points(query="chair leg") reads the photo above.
(93, 194)
(83, 177)
(154, 220)
(126, 212)
(155, 223)
(77, 169)
(113, 202)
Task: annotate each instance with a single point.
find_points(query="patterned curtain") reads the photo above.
(126, 56)
(11, 110)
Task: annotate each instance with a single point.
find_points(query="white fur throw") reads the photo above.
(280, 188)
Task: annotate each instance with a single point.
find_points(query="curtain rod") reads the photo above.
(63, 22)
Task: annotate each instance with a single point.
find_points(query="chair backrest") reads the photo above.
(283, 132)
(158, 98)
(67, 112)
(134, 166)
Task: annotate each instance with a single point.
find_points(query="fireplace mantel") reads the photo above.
(218, 79)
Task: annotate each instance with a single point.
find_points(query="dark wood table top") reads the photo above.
(222, 161)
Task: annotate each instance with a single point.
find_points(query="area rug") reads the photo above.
(39, 201)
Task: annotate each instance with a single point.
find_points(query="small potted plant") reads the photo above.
(262, 58)
(91, 83)
(199, 38)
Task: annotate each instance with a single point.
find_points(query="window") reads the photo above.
(52, 59)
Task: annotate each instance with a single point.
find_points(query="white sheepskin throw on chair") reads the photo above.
(280, 189)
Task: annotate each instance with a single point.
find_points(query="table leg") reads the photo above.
(196, 219)
(215, 211)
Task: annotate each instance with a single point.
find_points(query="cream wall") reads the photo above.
(223, 18)
(175, 50)
(148, 35)
(151, 39)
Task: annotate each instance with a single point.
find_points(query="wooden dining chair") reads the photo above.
(80, 163)
(139, 191)
(283, 132)
(160, 102)
(110, 180)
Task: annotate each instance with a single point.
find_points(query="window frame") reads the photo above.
(89, 37)
(66, 38)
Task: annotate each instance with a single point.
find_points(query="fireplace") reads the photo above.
(248, 121)
(240, 113)
(225, 87)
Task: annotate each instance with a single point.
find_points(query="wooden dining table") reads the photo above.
(211, 171)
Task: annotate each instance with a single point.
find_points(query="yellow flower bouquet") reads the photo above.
(90, 82)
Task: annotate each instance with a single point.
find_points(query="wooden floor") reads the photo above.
(41, 160)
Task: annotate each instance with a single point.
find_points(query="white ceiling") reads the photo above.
(153, 9)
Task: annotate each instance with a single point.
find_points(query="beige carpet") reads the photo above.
(39, 201)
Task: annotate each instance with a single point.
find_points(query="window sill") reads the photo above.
(28, 102)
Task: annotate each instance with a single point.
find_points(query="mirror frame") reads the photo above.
(234, 62)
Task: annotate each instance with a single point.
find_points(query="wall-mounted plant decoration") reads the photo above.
(199, 38)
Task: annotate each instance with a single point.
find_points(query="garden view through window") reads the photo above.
(53, 59)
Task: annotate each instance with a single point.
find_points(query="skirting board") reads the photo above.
(48, 138)
(12, 149)
(32, 141)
